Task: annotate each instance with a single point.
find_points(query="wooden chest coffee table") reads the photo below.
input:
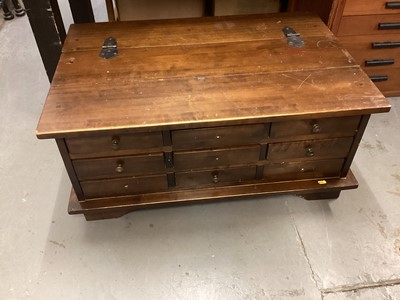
(206, 109)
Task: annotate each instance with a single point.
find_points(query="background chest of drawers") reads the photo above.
(205, 109)
(370, 30)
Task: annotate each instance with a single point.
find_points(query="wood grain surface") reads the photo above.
(367, 7)
(205, 30)
(234, 69)
(363, 25)
(128, 203)
(330, 148)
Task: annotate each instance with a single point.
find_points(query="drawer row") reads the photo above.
(379, 55)
(275, 172)
(370, 31)
(209, 138)
(156, 163)
(364, 7)
(369, 25)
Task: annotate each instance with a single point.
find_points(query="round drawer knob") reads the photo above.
(119, 168)
(215, 178)
(316, 128)
(310, 152)
(115, 143)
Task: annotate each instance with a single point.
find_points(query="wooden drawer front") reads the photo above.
(314, 149)
(115, 143)
(360, 47)
(119, 166)
(214, 177)
(363, 25)
(124, 186)
(218, 137)
(215, 158)
(303, 170)
(389, 87)
(368, 7)
(343, 126)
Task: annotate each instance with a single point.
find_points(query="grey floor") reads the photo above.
(274, 248)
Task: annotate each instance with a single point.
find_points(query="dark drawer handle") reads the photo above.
(379, 78)
(386, 26)
(393, 5)
(310, 152)
(379, 62)
(115, 143)
(380, 45)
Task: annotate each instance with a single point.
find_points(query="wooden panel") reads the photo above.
(329, 148)
(212, 193)
(187, 102)
(322, 7)
(143, 140)
(216, 158)
(158, 9)
(360, 47)
(44, 18)
(62, 147)
(218, 137)
(214, 177)
(287, 171)
(354, 146)
(344, 126)
(215, 82)
(240, 7)
(362, 25)
(200, 61)
(119, 166)
(124, 186)
(368, 7)
(391, 87)
(82, 11)
(191, 31)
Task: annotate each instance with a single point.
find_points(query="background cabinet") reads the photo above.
(369, 30)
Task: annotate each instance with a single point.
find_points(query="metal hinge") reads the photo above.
(109, 48)
(293, 38)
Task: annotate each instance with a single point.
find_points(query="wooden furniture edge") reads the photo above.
(118, 206)
(356, 142)
(336, 15)
(207, 123)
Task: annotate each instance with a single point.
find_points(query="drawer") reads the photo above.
(218, 137)
(124, 186)
(342, 126)
(389, 87)
(363, 25)
(287, 171)
(115, 143)
(360, 47)
(313, 149)
(369, 7)
(119, 166)
(214, 177)
(215, 158)
(386, 47)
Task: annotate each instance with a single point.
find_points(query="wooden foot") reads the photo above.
(321, 195)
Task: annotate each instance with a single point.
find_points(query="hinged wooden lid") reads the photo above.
(202, 72)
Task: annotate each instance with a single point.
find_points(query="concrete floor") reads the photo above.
(274, 248)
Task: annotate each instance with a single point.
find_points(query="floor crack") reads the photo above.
(361, 286)
(314, 276)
